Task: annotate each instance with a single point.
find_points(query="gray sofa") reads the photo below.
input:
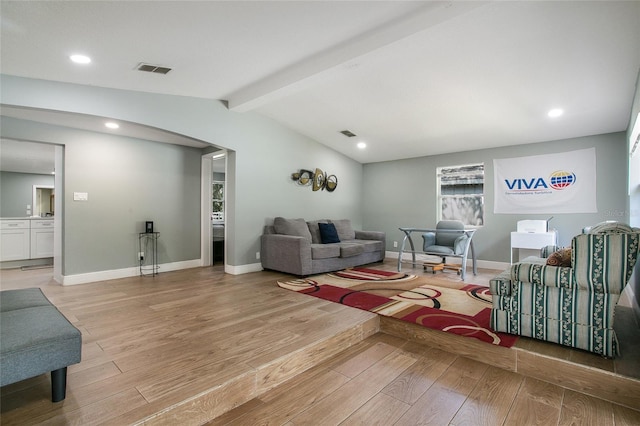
(296, 246)
(35, 338)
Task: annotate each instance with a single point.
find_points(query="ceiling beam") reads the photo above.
(341, 58)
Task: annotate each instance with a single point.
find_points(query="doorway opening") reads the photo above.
(214, 190)
(31, 188)
(218, 177)
(43, 200)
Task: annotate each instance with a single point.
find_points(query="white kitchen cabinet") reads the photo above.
(15, 239)
(41, 238)
(23, 239)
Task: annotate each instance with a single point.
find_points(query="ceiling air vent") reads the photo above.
(152, 68)
(347, 133)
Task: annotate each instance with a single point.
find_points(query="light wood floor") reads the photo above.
(186, 346)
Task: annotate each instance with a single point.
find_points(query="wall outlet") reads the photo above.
(395, 244)
(257, 255)
(140, 255)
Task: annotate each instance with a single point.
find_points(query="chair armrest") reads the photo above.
(286, 253)
(429, 239)
(551, 276)
(460, 244)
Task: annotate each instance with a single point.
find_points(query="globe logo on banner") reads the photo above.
(561, 179)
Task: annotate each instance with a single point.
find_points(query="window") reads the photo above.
(218, 201)
(461, 193)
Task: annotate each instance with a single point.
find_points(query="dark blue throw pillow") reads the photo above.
(328, 233)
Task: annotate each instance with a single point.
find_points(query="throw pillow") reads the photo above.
(328, 233)
(345, 231)
(561, 257)
(315, 231)
(295, 227)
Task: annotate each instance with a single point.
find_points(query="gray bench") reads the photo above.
(35, 338)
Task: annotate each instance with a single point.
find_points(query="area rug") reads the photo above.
(454, 307)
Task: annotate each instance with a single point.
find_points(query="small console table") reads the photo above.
(148, 240)
(532, 240)
(407, 237)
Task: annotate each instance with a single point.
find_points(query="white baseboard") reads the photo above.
(491, 264)
(92, 277)
(243, 269)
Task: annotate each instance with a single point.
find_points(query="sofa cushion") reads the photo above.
(348, 249)
(315, 230)
(344, 228)
(294, 227)
(324, 251)
(440, 250)
(369, 246)
(534, 259)
(328, 233)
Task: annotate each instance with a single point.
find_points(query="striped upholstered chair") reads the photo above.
(572, 306)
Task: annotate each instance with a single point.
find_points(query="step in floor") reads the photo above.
(183, 348)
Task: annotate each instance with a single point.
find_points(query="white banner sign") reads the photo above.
(546, 184)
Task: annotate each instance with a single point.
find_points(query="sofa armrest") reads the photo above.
(286, 253)
(501, 284)
(551, 276)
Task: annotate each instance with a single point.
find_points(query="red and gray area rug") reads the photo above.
(453, 307)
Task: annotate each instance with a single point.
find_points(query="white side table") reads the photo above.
(532, 240)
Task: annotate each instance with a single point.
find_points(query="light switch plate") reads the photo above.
(80, 196)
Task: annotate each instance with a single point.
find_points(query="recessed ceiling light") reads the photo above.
(556, 112)
(112, 125)
(361, 145)
(80, 59)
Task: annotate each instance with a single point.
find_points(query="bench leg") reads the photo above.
(58, 384)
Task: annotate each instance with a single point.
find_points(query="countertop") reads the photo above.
(27, 218)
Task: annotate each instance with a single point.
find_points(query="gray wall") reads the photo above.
(262, 156)
(402, 193)
(128, 181)
(634, 192)
(634, 164)
(16, 192)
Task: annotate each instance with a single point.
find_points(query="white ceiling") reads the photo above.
(409, 78)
